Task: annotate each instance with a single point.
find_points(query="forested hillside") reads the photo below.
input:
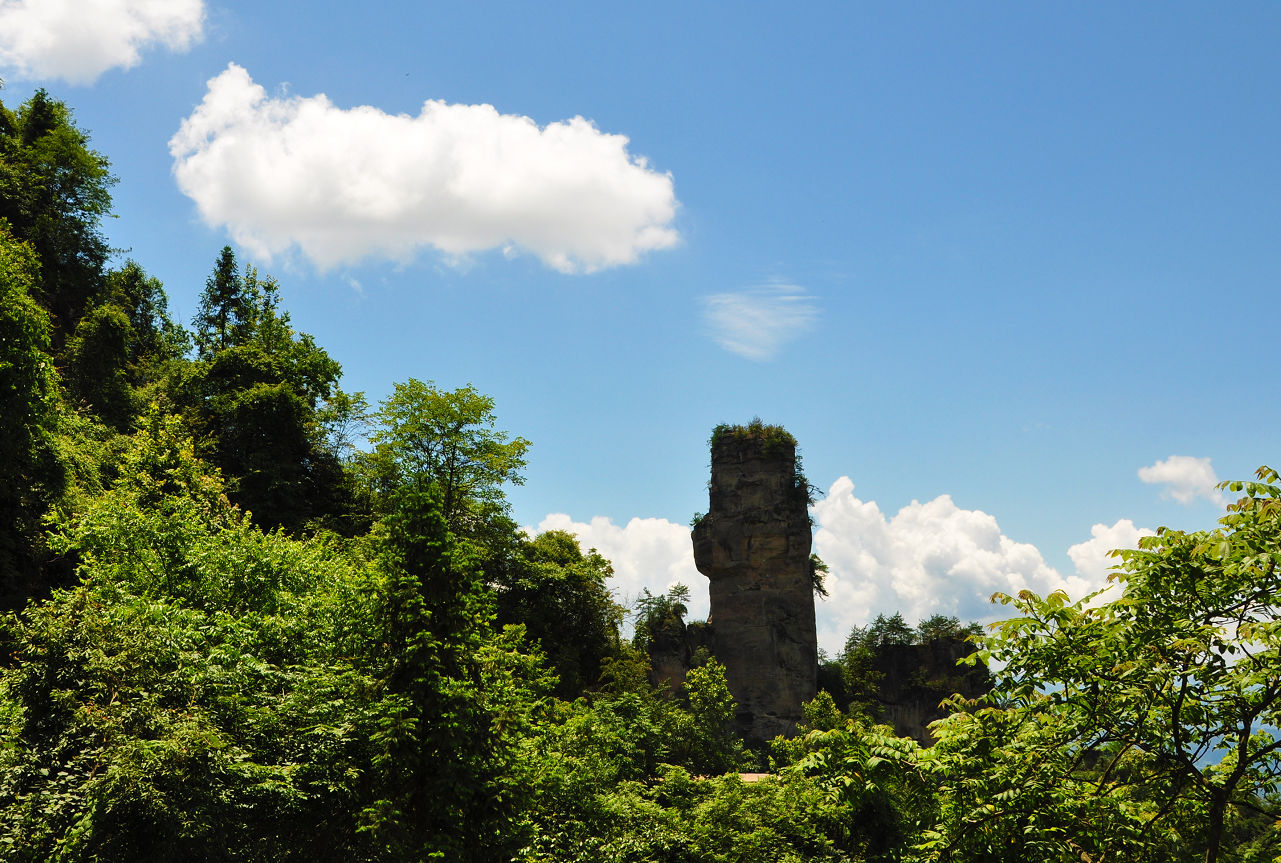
(251, 617)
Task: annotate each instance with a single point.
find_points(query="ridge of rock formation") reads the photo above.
(754, 547)
(916, 678)
(676, 650)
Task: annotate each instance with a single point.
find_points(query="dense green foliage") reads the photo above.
(54, 193)
(258, 398)
(561, 596)
(233, 635)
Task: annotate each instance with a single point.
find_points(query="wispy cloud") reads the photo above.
(1185, 478)
(757, 322)
(78, 40)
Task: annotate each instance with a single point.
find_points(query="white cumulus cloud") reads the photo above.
(936, 558)
(344, 185)
(1185, 478)
(78, 40)
(1091, 557)
(756, 323)
(929, 558)
(651, 553)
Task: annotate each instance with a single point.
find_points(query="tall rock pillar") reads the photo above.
(754, 546)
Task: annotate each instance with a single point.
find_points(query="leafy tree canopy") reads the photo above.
(262, 400)
(29, 472)
(54, 193)
(560, 595)
(424, 435)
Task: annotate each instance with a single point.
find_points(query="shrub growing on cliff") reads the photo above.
(774, 441)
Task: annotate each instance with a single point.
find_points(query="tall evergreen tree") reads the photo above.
(54, 192)
(29, 473)
(261, 400)
(229, 306)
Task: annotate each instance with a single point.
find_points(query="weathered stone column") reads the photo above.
(754, 546)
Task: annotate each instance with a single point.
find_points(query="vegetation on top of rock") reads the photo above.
(776, 440)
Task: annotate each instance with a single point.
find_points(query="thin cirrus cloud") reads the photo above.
(343, 185)
(928, 558)
(79, 40)
(1185, 478)
(756, 323)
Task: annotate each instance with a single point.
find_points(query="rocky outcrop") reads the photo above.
(669, 656)
(677, 649)
(754, 547)
(915, 678)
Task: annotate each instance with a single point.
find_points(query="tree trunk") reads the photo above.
(1218, 808)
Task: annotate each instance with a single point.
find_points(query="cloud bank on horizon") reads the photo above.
(343, 185)
(756, 323)
(929, 558)
(1185, 479)
(79, 40)
(936, 558)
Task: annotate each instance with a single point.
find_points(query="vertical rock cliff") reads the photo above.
(754, 547)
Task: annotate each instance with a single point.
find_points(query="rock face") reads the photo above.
(669, 657)
(915, 678)
(677, 649)
(754, 547)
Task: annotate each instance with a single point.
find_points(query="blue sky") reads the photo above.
(1002, 252)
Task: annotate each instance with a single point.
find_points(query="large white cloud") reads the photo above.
(343, 185)
(1185, 478)
(651, 553)
(936, 558)
(929, 558)
(756, 323)
(78, 40)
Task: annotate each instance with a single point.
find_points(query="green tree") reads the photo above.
(54, 192)
(208, 691)
(30, 474)
(871, 775)
(205, 692)
(941, 627)
(1173, 691)
(660, 615)
(444, 751)
(424, 436)
(705, 740)
(97, 359)
(261, 400)
(889, 630)
(560, 595)
(122, 346)
(232, 305)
